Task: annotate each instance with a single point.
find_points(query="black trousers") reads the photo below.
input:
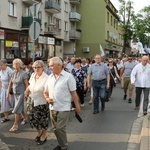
(138, 97)
(80, 92)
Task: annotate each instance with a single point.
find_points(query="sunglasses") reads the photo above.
(110, 61)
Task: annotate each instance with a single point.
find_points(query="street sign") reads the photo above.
(34, 30)
(34, 9)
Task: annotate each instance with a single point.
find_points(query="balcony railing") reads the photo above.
(27, 21)
(52, 7)
(74, 16)
(30, 2)
(75, 2)
(52, 30)
(74, 34)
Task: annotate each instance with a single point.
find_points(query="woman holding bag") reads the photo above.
(39, 116)
(113, 76)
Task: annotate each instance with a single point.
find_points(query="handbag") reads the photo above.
(11, 91)
(29, 105)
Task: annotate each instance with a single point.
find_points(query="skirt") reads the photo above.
(39, 117)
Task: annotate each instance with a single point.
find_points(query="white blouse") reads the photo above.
(36, 88)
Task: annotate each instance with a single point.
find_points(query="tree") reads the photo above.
(141, 26)
(126, 14)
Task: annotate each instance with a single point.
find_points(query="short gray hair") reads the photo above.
(19, 61)
(39, 62)
(57, 60)
(3, 62)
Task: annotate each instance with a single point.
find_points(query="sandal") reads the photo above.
(37, 139)
(5, 120)
(42, 142)
(24, 121)
(14, 128)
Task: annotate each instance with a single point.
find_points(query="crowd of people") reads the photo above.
(61, 85)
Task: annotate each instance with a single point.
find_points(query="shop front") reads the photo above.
(112, 50)
(17, 44)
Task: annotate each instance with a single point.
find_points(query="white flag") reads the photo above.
(101, 50)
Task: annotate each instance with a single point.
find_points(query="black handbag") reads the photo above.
(11, 91)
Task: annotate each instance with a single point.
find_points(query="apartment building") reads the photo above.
(99, 26)
(57, 35)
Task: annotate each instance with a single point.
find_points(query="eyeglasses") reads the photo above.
(37, 67)
(110, 61)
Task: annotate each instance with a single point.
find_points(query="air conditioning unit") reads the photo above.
(86, 49)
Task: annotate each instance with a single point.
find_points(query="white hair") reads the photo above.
(57, 60)
(19, 61)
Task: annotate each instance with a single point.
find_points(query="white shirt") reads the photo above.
(59, 90)
(140, 76)
(37, 87)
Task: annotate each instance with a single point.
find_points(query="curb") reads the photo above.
(145, 134)
(135, 137)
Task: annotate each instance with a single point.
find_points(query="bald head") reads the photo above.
(145, 60)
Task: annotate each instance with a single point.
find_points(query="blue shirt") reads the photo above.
(98, 71)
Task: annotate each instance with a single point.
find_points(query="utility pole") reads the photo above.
(35, 28)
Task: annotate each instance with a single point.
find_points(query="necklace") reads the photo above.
(143, 68)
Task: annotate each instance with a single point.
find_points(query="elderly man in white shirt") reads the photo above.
(140, 77)
(59, 91)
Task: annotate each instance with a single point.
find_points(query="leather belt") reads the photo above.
(99, 80)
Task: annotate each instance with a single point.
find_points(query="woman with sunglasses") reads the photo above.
(39, 116)
(113, 76)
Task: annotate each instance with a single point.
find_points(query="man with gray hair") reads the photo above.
(140, 78)
(59, 91)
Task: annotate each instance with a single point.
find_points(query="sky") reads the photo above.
(138, 4)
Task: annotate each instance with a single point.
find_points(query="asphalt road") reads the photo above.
(108, 130)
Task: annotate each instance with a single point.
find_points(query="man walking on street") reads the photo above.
(100, 81)
(59, 91)
(140, 77)
(126, 71)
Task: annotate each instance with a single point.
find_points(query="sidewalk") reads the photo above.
(140, 134)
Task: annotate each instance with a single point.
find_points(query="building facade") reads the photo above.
(57, 32)
(99, 26)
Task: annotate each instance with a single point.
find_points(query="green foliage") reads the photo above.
(126, 14)
(141, 26)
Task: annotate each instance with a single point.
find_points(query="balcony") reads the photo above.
(30, 2)
(75, 2)
(52, 30)
(52, 7)
(74, 16)
(74, 34)
(27, 21)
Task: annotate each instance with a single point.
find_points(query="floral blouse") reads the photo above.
(79, 76)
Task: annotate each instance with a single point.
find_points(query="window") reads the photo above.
(12, 9)
(111, 21)
(117, 26)
(66, 26)
(108, 35)
(114, 23)
(28, 12)
(66, 7)
(49, 20)
(57, 1)
(107, 17)
(57, 22)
